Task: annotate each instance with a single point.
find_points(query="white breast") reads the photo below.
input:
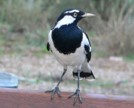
(73, 59)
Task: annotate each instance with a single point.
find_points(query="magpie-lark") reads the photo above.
(71, 47)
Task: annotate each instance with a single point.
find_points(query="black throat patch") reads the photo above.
(67, 38)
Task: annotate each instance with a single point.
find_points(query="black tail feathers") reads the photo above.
(86, 75)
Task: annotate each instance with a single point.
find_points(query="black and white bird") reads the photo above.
(71, 47)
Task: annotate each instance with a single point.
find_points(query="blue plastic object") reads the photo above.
(8, 80)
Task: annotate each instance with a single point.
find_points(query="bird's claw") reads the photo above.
(54, 91)
(77, 96)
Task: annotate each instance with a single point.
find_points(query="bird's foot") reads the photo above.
(77, 96)
(54, 91)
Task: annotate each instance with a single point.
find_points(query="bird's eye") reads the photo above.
(75, 14)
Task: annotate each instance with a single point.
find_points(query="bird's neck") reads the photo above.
(66, 20)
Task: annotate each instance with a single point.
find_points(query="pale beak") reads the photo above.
(88, 15)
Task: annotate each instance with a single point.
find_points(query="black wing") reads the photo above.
(87, 49)
(48, 46)
(88, 52)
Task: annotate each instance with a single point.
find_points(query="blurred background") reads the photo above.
(24, 26)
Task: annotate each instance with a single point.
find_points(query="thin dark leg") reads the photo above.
(61, 77)
(77, 92)
(56, 89)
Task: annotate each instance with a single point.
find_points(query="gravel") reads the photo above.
(42, 73)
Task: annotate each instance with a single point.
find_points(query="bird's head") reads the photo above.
(71, 16)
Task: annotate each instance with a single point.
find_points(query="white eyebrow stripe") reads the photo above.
(72, 11)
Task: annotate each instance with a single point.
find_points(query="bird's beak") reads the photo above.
(88, 15)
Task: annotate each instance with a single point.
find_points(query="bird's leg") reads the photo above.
(56, 90)
(77, 92)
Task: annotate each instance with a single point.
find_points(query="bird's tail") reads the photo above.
(86, 72)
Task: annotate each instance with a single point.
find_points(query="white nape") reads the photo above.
(68, 19)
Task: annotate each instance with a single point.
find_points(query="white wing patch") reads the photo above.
(65, 21)
(85, 40)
